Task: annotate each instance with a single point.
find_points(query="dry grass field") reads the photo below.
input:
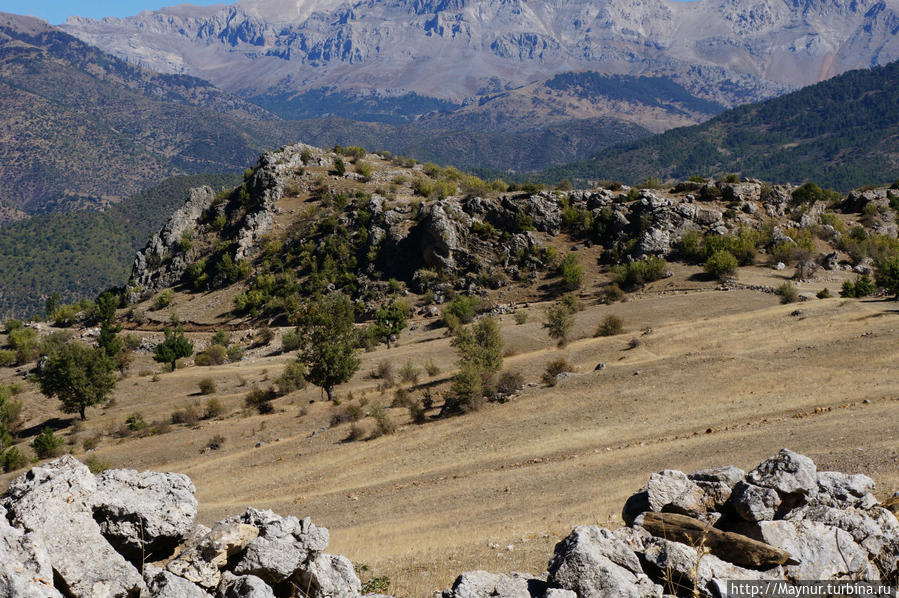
(716, 378)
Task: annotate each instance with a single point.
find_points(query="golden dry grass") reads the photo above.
(723, 377)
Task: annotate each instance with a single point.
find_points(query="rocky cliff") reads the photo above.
(122, 533)
(727, 51)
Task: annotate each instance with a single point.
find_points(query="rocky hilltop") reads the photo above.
(67, 532)
(299, 225)
(730, 52)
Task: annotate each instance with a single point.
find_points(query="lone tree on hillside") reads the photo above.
(79, 376)
(390, 320)
(330, 341)
(480, 348)
(174, 347)
(559, 322)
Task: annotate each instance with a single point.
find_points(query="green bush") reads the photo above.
(721, 264)
(214, 355)
(810, 192)
(291, 341)
(207, 386)
(823, 294)
(12, 459)
(47, 445)
(638, 273)
(572, 273)
(7, 357)
(466, 390)
(463, 308)
(235, 353)
(163, 299)
(135, 422)
(292, 378)
(559, 322)
(888, 275)
(862, 287)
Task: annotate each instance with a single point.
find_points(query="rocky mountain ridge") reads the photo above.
(121, 533)
(721, 50)
(300, 226)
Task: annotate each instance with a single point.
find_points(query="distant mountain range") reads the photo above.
(841, 133)
(727, 51)
(81, 129)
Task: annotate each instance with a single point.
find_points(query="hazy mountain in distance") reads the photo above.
(727, 51)
(841, 133)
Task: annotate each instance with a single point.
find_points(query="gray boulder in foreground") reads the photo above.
(66, 532)
(829, 523)
(55, 503)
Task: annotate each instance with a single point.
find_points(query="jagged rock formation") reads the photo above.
(324, 231)
(67, 532)
(826, 526)
(732, 52)
(166, 258)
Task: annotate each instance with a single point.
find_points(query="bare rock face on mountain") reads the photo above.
(730, 52)
(161, 264)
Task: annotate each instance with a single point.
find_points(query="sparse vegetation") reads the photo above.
(555, 367)
(559, 321)
(610, 326)
(47, 445)
(207, 386)
(787, 293)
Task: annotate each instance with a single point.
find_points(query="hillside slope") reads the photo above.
(697, 372)
(81, 128)
(78, 255)
(842, 133)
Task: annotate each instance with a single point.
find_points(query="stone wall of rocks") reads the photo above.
(65, 532)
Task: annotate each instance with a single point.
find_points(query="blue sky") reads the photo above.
(56, 11)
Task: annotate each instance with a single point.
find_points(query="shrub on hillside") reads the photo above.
(553, 369)
(572, 273)
(862, 287)
(261, 400)
(638, 273)
(214, 355)
(787, 293)
(559, 322)
(610, 326)
(292, 378)
(721, 264)
(47, 444)
(207, 386)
